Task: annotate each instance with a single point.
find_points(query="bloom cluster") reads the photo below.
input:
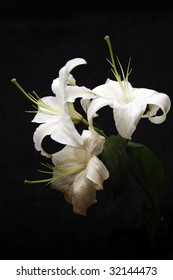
(78, 170)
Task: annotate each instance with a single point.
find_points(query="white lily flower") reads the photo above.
(56, 113)
(129, 105)
(78, 172)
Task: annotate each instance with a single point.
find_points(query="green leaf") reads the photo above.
(149, 170)
(115, 158)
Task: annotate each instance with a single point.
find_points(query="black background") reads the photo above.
(36, 40)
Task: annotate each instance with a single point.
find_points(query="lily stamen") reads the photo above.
(123, 85)
(63, 172)
(36, 100)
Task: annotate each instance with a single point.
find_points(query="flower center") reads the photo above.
(67, 170)
(125, 92)
(58, 173)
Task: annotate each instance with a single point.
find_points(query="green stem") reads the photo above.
(154, 204)
(101, 132)
(140, 183)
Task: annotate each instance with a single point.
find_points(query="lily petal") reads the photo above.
(39, 134)
(154, 99)
(59, 85)
(95, 105)
(68, 162)
(96, 172)
(110, 90)
(69, 156)
(85, 103)
(81, 195)
(73, 92)
(66, 133)
(62, 131)
(48, 111)
(126, 117)
(92, 141)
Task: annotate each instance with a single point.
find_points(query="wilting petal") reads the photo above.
(92, 141)
(68, 163)
(78, 173)
(69, 156)
(126, 117)
(96, 172)
(78, 190)
(82, 194)
(62, 183)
